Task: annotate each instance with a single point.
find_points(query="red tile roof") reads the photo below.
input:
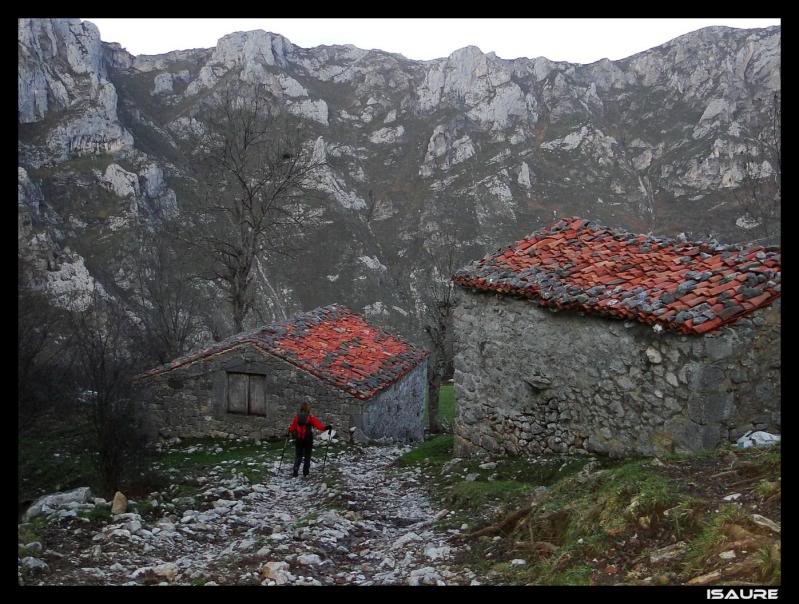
(684, 286)
(331, 343)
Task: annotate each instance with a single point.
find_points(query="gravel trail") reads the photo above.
(364, 522)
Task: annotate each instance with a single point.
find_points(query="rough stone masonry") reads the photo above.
(529, 380)
(190, 402)
(250, 385)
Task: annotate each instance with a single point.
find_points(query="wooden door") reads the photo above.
(237, 393)
(257, 402)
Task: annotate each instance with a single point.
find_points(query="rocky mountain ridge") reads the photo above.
(487, 148)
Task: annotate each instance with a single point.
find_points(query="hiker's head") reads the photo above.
(305, 408)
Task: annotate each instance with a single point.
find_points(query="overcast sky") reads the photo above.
(573, 40)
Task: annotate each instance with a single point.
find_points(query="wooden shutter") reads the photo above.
(237, 393)
(257, 403)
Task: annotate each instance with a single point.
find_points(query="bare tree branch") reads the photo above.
(255, 172)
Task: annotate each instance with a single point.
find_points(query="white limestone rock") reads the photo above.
(312, 109)
(291, 87)
(372, 263)
(162, 84)
(35, 565)
(507, 101)
(524, 176)
(387, 135)
(121, 182)
(324, 179)
(247, 50)
(57, 500)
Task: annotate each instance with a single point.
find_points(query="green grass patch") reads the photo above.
(611, 500)
(579, 574)
(206, 454)
(703, 546)
(767, 488)
(436, 450)
(446, 406)
(31, 531)
(544, 573)
(56, 461)
(98, 514)
(473, 492)
(770, 459)
(446, 403)
(769, 564)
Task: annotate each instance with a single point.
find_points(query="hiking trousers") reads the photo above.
(303, 450)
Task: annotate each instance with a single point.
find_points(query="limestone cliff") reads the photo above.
(657, 142)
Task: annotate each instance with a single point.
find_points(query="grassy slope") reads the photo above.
(601, 525)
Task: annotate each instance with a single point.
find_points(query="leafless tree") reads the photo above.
(254, 171)
(42, 340)
(441, 258)
(164, 295)
(104, 367)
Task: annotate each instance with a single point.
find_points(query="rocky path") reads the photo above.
(365, 522)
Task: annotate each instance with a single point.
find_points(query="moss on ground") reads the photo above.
(31, 531)
(98, 514)
(436, 450)
(57, 459)
(467, 493)
(601, 527)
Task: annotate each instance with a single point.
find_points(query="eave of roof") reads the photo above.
(331, 343)
(689, 287)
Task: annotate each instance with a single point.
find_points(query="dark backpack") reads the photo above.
(305, 435)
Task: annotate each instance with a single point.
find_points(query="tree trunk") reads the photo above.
(238, 312)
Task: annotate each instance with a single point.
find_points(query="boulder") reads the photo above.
(56, 500)
(120, 503)
(766, 522)
(358, 437)
(309, 559)
(425, 576)
(35, 565)
(167, 570)
(405, 539)
(435, 553)
(277, 572)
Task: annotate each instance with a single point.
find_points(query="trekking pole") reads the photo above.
(285, 444)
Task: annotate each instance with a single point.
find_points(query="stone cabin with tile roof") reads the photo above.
(582, 337)
(251, 384)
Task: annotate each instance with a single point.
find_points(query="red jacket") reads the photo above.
(299, 431)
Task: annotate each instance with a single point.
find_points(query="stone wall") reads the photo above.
(192, 401)
(397, 411)
(529, 381)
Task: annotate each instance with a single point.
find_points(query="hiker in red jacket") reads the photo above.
(302, 428)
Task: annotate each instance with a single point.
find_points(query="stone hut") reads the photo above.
(581, 337)
(251, 384)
